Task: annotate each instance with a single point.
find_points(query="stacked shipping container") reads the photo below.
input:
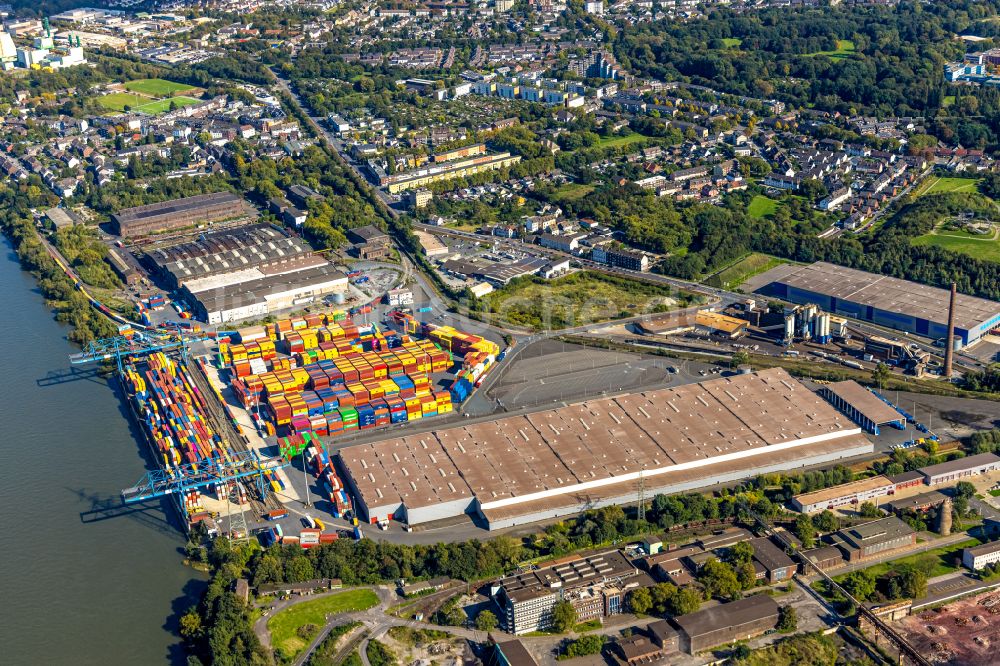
(172, 410)
(340, 377)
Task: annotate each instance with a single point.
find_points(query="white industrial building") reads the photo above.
(979, 556)
(523, 469)
(267, 295)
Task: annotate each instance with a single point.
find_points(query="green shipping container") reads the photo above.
(348, 414)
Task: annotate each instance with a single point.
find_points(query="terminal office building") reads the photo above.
(886, 301)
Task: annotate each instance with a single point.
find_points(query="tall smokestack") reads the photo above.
(949, 348)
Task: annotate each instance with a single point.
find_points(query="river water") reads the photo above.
(81, 585)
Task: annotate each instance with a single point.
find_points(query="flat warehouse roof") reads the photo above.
(861, 399)
(961, 464)
(887, 293)
(256, 291)
(176, 206)
(590, 446)
(844, 489)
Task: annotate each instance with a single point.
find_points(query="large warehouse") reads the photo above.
(231, 256)
(522, 469)
(260, 297)
(900, 304)
(246, 272)
(180, 213)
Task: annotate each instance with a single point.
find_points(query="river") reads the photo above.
(80, 587)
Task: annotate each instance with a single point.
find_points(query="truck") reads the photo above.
(425, 309)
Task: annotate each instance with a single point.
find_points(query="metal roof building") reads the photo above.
(862, 406)
(887, 301)
(178, 213)
(726, 623)
(522, 469)
(960, 468)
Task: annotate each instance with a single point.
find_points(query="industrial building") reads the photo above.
(873, 539)
(770, 562)
(862, 407)
(886, 301)
(855, 492)
(245, 272)
(658, 641)
(180, 213)
(522, 469)
(267, 295)
(980, 556)
(231, 256)
(596, 585)
(726, 623)
(960, 468)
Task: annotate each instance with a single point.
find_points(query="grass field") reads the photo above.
(845, 49)
(732, 42)
(157, 87)
(285, 625)
(978, 247)
(761, 207)
(135, 102)
(946, 560)
(742, 270)
(574, 300)
(573, 191)
(618, 141)
(937, 185)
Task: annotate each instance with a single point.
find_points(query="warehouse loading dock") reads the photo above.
(561, 461)
(862, 407)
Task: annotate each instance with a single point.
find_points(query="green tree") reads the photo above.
(739, 358)
(747, 575)
(860, 584)
(719, 580)
(880, 375)
(965, 489)
(563, 616)
(640, 600)
(685, 601)
(739, 553)
(805, 530)
(869, 510)
(585, 645)
(787, 620)
(826, 521)
(191, 628)
(486, 621)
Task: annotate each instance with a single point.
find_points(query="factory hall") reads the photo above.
(886, 301)
(522, 469)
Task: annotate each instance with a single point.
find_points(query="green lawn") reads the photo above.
(618, 141)
(118, 102)
(572, 191)
(937, 185)
(284, 626)
(947, 101)
(157, 87)
(579, 298)
(995, 492)
(845, 49)
(742, 270)
(732, 42)
(761, 207)
(946, 560)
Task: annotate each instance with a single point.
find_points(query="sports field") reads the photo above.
(119, 102)
(157, 87)
(744, 269)
(937, 185)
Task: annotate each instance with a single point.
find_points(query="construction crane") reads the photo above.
(184, 478)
